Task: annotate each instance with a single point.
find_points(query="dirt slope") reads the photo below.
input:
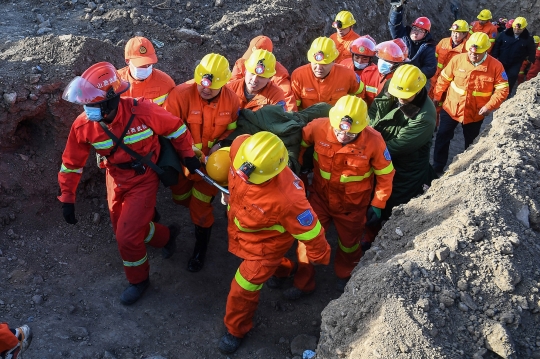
(455, 273)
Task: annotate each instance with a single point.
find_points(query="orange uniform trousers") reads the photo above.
(131, 206)
(350, 228)
(8, 340)
(197, 195)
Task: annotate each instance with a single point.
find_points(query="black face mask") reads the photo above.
(109, 105)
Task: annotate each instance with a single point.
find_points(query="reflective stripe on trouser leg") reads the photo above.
(350, 228)
(200, 207)
(132, 209)
(244, 295)
(158, 235)
(181, 192)
(304, 279)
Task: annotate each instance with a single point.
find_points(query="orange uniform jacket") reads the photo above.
(149, 121)
(265, 219)
(343, 174)
(374, 82)
(488, 28)
(155, 87)
(444, 53)
(310, 90)
(281, 78)
(207, 121)
(271, 94)
(343, 44)
(470, 88)
(535, 67)
(348, 63)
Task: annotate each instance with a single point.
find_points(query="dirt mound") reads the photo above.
(455, 273)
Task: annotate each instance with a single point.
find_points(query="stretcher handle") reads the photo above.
(211, 181)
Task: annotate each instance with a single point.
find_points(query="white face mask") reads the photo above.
(360, 66)
(140, 73)
(384, 67)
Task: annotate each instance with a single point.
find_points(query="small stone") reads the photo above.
(219, 3)
(423, 303)
(463, 307)
(187, 20)
(462, 284)
(96, 218)
(431, 256)
(442, 253)
(38, 299)
(477, 235)
(399, 232)
(10, 98)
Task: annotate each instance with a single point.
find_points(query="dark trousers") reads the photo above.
(447, 125)
(512, 71)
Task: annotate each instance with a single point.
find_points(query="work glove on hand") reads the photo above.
(373, 216)
(397, 5)
(68, 210)
(192, 164)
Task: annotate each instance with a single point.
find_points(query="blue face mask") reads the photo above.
(359, 66)
(384, 67)
(93, 113)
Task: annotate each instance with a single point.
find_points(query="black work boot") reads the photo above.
(229, 343)
(134, 292)
(168, 249)
(202, 236)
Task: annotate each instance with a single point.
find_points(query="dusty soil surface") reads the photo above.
(65, 280)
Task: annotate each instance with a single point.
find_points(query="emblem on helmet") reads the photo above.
(142, 50)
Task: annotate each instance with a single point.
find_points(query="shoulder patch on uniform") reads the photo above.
(387, 154)
(282, 104)
(504, 76)
(494, 35)
(305, 218)
(358, 79)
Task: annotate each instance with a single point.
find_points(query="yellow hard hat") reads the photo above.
(459, 26)
(322, 51)
(406, 82)
(262, 63)
(536, 39)
(213, 71)
(485, 15)
(478, 43)
(520, 22)
(349, 114)
(344, 19)
(261, 157)
(217, 165)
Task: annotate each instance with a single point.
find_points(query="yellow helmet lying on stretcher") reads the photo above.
(218, 164)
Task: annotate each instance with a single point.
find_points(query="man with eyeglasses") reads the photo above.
(514, 46)
(348, 155)
(417, 38)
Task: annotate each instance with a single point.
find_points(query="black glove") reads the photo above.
(373, 216)
(192, 164)
(68, 210)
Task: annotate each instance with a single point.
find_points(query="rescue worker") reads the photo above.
(390, 58)
(344, 35)
(268, 211)
(475, 85)
(484, 25)
(322, 80)
(405, 117)
(446, 49)
(526, 65)
(417, 37)
(210, 111)
(535, 67)
(501, 25)
(514, 46)
(348, 155)
(362, 50)
(131, 186)
(256, 89)
(13, 342)
(145, 80)
(281, 78)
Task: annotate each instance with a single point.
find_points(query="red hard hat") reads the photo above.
(99, 83)
(402, 46)
(389, 51)
(363, 46)
(422, 23)
(509, 23)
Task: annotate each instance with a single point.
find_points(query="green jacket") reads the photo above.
(408, 139)
(286, 125)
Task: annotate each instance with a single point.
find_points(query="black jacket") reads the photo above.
(511, 51)
(421, 53)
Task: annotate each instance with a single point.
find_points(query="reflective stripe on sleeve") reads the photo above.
(457, 89)
(160, 100)
(348, 249)
(347, 179)
(231, 126)
(64, 169)
(275, 227)
(137, 263)
(201, 196)
(245, 284)
(503, 85)
(198, 145)
(177, 133)
(309, 235)
(385, 170)
(371, 89)
(360, 89)
(482, 94)
(304, 144)
(439, 65)
(491, 40)
(443, 74)
(298, 103)
(131, 139)
(325, 175)
(150, 233)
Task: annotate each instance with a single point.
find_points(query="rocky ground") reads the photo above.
(447, 287)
